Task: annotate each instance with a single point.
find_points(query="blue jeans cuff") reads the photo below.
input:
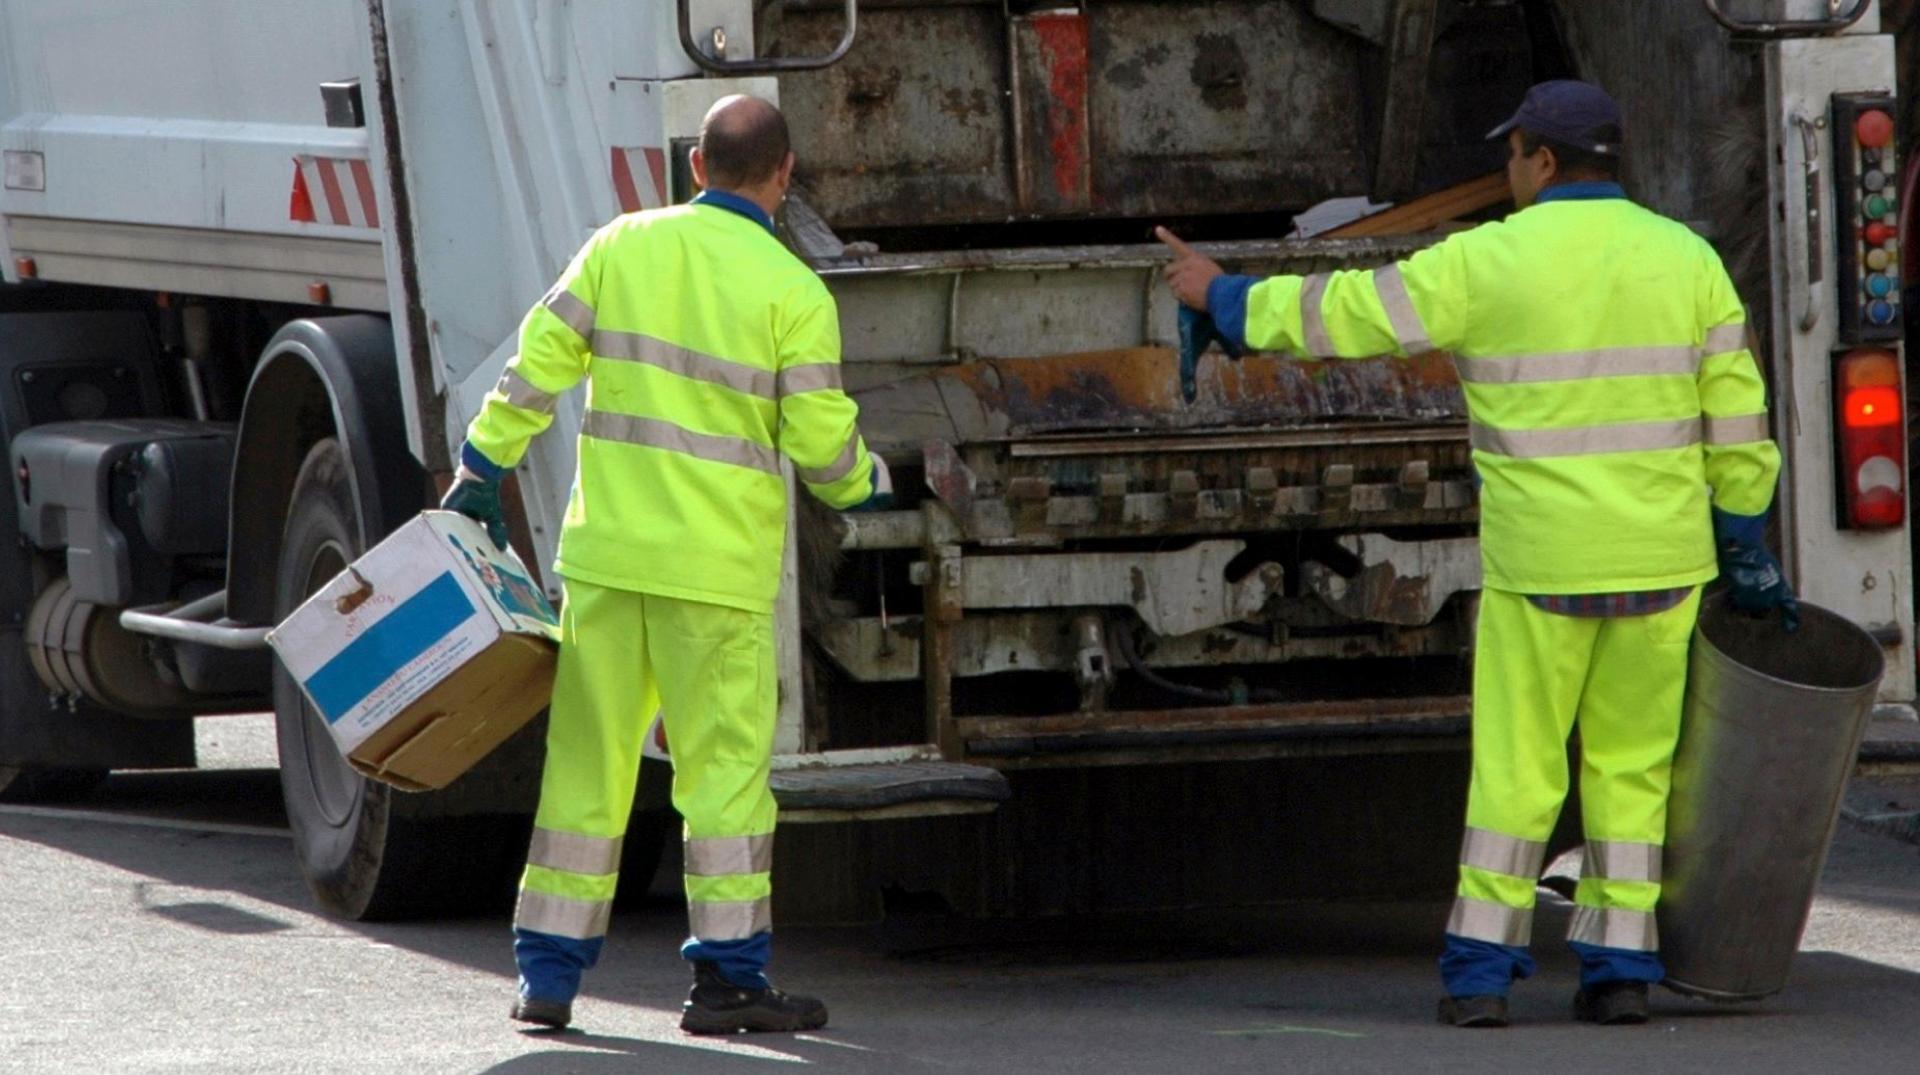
(551, 966)
(742, 963)
(1470, 968)
(1600, 964)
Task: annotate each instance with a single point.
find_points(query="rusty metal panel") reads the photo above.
(1223, 107)
(953, 112)
(910, 128)
(1052, 169)
(1137, 389)
(916, 308)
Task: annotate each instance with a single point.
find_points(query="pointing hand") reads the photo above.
(1190, 271)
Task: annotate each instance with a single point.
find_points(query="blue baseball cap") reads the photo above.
(1569, 112)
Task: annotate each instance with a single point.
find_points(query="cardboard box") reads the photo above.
(426, 654)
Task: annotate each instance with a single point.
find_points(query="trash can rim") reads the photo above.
(1808, 612)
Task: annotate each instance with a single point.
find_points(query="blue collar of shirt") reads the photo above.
(1584, 191)
(734, 203)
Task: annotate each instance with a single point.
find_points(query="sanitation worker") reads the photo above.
(1619, 430)
(709, 351)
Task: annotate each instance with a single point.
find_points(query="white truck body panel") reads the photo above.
(515, 121)
(1862, 574)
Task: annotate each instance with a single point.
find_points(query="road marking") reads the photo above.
(180, 825)
(1283, 1028)
(818, 1040)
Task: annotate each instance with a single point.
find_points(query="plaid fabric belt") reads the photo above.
(1637, 603)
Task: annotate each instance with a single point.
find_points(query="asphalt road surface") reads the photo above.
(160, 927)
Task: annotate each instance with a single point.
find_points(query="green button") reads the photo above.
(1877, 206)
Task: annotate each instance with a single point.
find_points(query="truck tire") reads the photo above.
(365, 852)
(38, 784)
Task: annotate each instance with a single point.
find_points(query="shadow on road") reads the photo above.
(1338, 986)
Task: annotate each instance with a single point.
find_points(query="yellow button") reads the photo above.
(1877, 260)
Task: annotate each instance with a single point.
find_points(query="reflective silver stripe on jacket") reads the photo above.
(841, 466)
(521, 393)
(1581, 365)
(719, 856)
(581, 920)
(1741, 429)
(686, 362)
(1614, 927)
(574, 853)
(1408, 329)
(653, 433)
(1313, 323)
(729, 920)
(1495, 923)
(568, 307)
(1497, 852)
(1731, 336)
(1621, 860)
(1586, 440)
(812, 377)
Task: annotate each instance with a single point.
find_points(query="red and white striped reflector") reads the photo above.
(639, 177)
(333, 190)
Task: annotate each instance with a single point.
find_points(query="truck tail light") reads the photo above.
(1872, 439)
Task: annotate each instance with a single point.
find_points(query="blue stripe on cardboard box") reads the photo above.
(410, 630)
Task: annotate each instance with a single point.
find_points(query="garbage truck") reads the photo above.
(1112, 646)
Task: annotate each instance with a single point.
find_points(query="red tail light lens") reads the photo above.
(1872, 439)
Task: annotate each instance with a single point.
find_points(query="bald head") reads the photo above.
(743, 141)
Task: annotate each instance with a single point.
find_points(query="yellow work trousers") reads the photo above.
(709, 670)
(1537, 676)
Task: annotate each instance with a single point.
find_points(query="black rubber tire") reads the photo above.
(365, 853)
(38, 784)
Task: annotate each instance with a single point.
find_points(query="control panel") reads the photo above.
(1867, 216)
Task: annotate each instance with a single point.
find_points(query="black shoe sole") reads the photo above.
(704, 1022)
(1587, 1010)
(1453, 1013)
(542, 1013)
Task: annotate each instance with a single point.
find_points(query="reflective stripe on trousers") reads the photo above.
(729, 920)
(562, 916)
(1614, 927)
(568, 887)
(1495, 923)
(719, 866)
(1499, 853)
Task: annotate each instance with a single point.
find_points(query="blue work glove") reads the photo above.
(881, 498)
(1197, 330)
(478, 499)
(1753, 575)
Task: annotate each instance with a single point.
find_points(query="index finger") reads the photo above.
(1173, 241)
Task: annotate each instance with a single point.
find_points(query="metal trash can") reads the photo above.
(1771, 731)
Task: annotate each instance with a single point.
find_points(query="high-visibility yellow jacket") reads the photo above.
(708, 350)
(1611, 395)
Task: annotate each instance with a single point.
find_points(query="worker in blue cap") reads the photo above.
(1620, 429)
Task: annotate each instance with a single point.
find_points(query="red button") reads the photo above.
(1877, 233)
(1874, 128)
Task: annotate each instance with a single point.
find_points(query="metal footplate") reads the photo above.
(809, 791)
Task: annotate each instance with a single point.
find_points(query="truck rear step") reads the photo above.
(914, 788)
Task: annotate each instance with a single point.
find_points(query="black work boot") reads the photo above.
(1479, 1011)
(717, 1006)
(548, 1013)
(1612, 1004)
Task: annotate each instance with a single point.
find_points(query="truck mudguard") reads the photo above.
(321, 377)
